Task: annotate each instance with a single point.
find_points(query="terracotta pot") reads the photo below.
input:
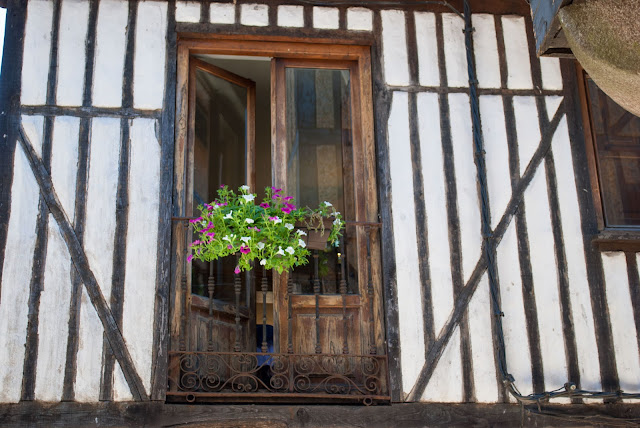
(316, 239)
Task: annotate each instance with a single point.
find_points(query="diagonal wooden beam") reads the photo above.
(462, 302)
(79, 259)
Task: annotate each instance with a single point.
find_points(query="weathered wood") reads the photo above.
(40, 252)
(116, 300)
(80, 205)
(10, 102)
(227, 416)
(81, 263)
(465, 294)
(90, 111)
(381, 107)
(595, 274)
(163, 277)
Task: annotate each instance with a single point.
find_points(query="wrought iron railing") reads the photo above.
(199, 372)
(206, 376)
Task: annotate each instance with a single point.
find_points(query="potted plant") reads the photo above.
(269, 233)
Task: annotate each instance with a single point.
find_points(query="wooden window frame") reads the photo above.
(608, 238)
(311, 52)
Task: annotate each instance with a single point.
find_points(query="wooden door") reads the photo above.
(222, 150)
(332, 305)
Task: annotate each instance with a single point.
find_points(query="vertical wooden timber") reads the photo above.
(163, 278)
(68, 393)
(39, 254)
(418, 184)
(382, 105)
(595, 274)
(10, 107)
(531, 313)
(122, 208)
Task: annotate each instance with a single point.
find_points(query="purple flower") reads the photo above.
(264, 205)
(286, 210)
(236, 270)
(245, 250)
(230, 247)
(290, 206)
(276, 190)
(211, 234)
(222, 186)
(190, 257)
(288, 198)
(196, 242)
(195, 220)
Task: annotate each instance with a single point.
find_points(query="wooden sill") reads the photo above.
(617, 240)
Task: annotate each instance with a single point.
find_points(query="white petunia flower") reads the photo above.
(289, 226)
(263, 262)
(249, 198)
(328, 204)
(245, 239)
(290, 250)
(245, 187)
(280, 251)
(301, 232)
(277, 220)
(229, 215)
(302, 243)
(226, 238)
(337, 222)
(335, 213)
(260, 245)
(249, 220)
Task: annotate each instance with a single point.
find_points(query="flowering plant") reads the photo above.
(267, 232)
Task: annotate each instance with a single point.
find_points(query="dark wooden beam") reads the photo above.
(79, 259)
(407, 415)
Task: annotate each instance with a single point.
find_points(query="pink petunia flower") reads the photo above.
(190, 257)
(245, 250)
(230, 247)
(211, 234)
(286, 210)
(288, 198)
(195, 220)
(236, 270)
(264, 205)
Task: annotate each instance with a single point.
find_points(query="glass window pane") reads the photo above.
(617, 139)
(219, 158)
(320, 164)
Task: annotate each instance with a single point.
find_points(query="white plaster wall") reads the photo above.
(142, 248)
(454, 52)
(111, 41)
(625, 340)
(100, 226)
(527, 129)
(188, 11)
(74, 17)
(517, 52)
(16, 271)
(53, 319)
(405, 241)
(445, 385)
(514, 323)
(545, 281)
(290, 16)
(394, 47)
(466, 176)
(427, 45)
(484, 365)
(222, 13)
(551, 74)
(326, 17)
(485, 47)
(256, 15)
(149, 61)
(359, 19)
(37, 49)
(497, 155)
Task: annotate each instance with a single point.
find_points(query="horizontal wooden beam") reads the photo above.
(407, 415)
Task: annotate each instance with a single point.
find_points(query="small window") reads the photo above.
(613, 143)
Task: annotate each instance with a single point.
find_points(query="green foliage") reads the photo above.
(267, 232)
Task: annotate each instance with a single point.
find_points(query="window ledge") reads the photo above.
(617, 240)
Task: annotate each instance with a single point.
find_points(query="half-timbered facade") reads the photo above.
(482, 260)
